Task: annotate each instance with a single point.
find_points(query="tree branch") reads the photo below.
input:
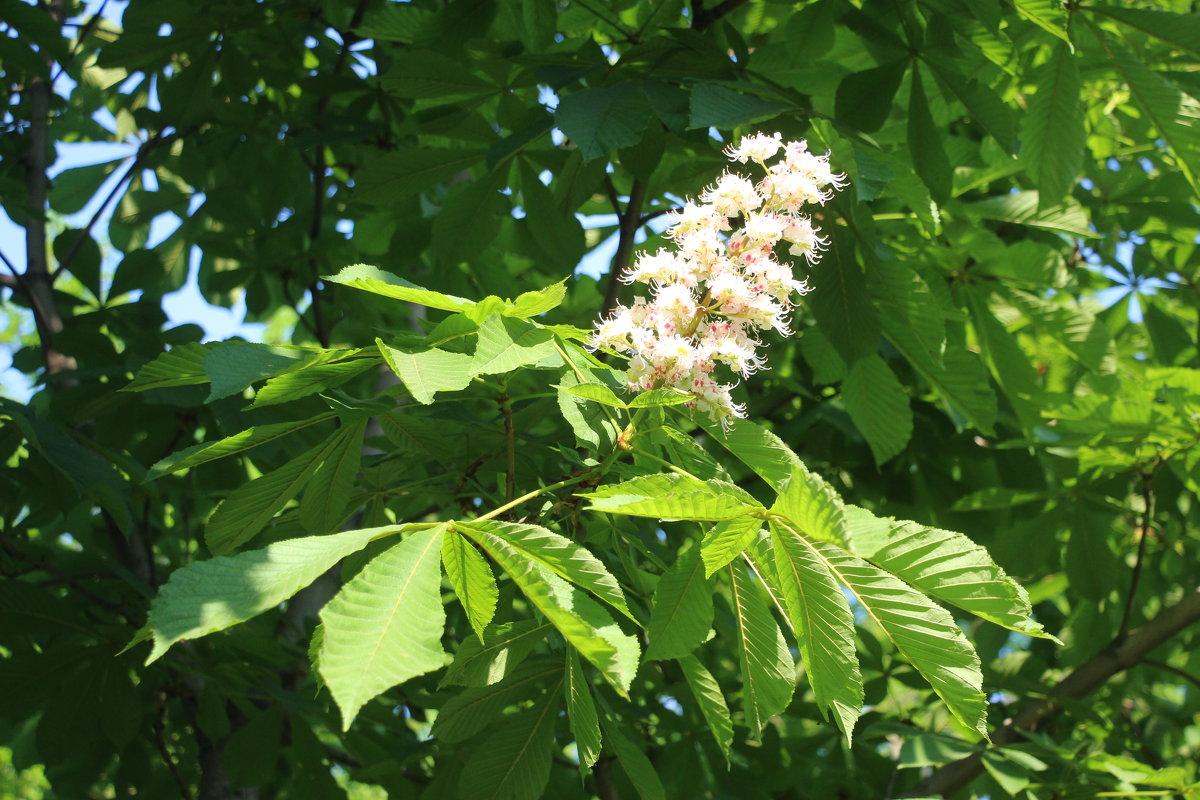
(1118, 656)
(628, 225)
(1148, 503)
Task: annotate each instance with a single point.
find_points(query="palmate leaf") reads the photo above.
(492, 659)
(1179, 30)
(707, 691)
(768, 673)
(876, 401)
(950, 567)
(579, 619)
(671, 496)
(208, 596)
(569, 560)
(374, 280)
(180, 366)
(308, 380)
(323, 506)
(425, 372)
(249, 508)
(824, 626)
(634, 763)
(581, 710)
(757, 448)
(385, 625)
(231, 445)
(469, 712)
(506, 343)
(682, 613)
(472, 580)
(726, 541)
(1052, 134)
(924, 633)
(513, 762)
(812, 506)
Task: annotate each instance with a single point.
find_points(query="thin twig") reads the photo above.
(9, 265)
(1187, 676)
(160, 742)
(84, 30)
(510, 447)
(1131, 599)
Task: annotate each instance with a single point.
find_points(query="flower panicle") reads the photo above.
(722, 285)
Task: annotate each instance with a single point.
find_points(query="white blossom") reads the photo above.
(722, 285)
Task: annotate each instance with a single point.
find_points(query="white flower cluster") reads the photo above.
(722, 284)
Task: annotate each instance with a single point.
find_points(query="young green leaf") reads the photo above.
(513, 762)
(207, 596)
(307, 380)
(323, 506)
(231, 445)
(725, 541)
(596, 392)
(581, 709)
(579, 619)
(812, 506)
(768, 673)
(425, 372)
(492, 659)
(711, 702)
(506, 343)
(470, 711)
(682, 613)
(823, 624)
(385, 625)
(569, 560)
(672, 496)
(472, 579)
(374, 280)
(924, 633)
(180, 366)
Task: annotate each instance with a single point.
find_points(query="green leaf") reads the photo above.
(249, 508)
(712, 704)
(208, 596)
(1175, 115)
(232, 445)
(426, 372)
(374, 280)
(1049, 15)
(323, 507)
(655, 398)
(925, 144)
(471, 217)
(384, 626)
(513, 762)
(181, 366)
(877, 403)
(581, 709)
(503, 648)
(672, 496)
(568, 560)
(924, 633)
(506, 343)
(601, 120)
(403, 173)
(1052, 134)
(633, 762)
(426, 74)
(1179, 30)
(596, 392)
(579, 619)
(469, 712)
(823, 624)
(715, 106)
(864, 99)
(72, 189)
(757, 448)
(472, 581)
(308, 380)
(812, 506)
(840, 303)
(725, 541)
(232, 369)
(768, 673)
(1022, 208)
(592, 425)
(535, 303)
(983, 103)
(682, 613)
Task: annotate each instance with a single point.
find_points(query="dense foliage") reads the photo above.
(419, 542)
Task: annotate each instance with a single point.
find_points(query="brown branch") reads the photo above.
(703, 17)
(1118, 656)
(628, 226)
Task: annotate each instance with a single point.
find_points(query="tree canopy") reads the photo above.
(419, 540)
